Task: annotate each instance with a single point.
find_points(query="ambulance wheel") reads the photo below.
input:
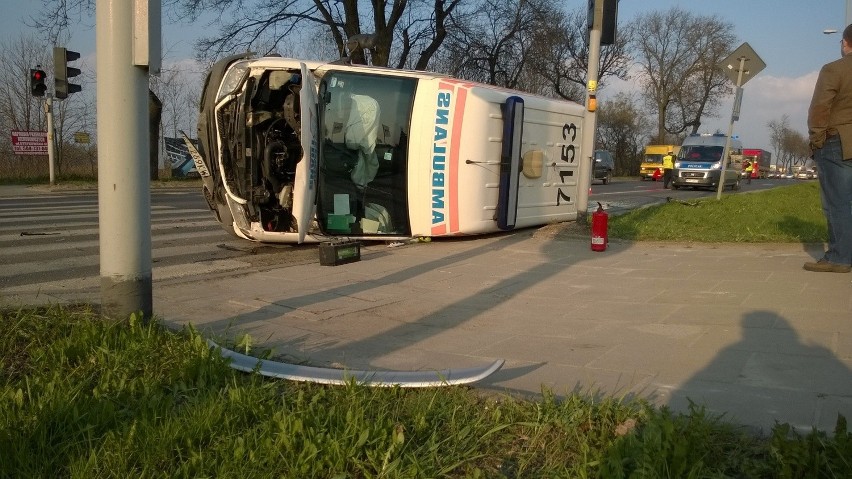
(675, 187)
(736, 185)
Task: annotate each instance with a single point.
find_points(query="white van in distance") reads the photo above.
(699, 162)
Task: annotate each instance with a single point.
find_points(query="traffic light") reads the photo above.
(62, 72)
(37, 86)
(608, 19)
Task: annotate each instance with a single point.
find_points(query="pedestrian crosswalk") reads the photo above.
(49, 249)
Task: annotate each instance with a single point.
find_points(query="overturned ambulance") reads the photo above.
(293, 151)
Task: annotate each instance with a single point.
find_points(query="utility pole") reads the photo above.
(603, 16)
(848, 13)
(587, 144)
(51, 141)
(125, 54)
(38, 89)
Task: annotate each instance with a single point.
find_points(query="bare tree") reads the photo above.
(622, 129)
(55, 20)
(269, 25)
(57, 16)
(560, 56)
(776, 139)
(172, 107)
(796, 144)
(419, 25)
(178, 87)
(530, 45)
(492, 45)
(791, 147)
(266, 26)
(19, 110)
(708, 84)
(679, 53)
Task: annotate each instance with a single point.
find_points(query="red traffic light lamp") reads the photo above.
(37, 85)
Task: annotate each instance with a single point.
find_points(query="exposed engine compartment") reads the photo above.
(266, 117)
(275, 125)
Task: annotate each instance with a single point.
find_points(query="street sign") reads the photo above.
(742, 58)
(740, 66)
(25, 142)
(81, 137)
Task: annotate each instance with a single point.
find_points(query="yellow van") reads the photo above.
(653, 160)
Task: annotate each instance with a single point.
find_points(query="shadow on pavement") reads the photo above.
(771, 369)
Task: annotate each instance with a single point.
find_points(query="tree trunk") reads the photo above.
(155, 114)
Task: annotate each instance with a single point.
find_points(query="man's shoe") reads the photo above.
(825, 266)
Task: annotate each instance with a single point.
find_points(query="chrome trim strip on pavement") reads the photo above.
(405, 379)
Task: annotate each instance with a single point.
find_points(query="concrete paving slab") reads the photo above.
(741, 327)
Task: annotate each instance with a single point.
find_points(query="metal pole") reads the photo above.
(51, 148)
(848, 14)
(587, 145)
(730, 132)
(124, 202)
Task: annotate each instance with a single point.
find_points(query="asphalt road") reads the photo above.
(49, 240)
(49, 243)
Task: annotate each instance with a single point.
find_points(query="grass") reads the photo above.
(789, 214)
(82, 397)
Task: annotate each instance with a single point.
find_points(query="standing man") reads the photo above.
(830, 134)
(749, 170)
(668, 164)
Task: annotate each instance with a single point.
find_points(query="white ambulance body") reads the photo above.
(294, 151)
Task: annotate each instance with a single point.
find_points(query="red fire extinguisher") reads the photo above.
(599, 229)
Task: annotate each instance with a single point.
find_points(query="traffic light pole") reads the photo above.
(587, 145)
(124, 198)
(51, 142)
(848, 13)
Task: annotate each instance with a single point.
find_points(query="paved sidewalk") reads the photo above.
(739, 328)
(742, 329)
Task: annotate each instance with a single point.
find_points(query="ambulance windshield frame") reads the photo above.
(365, 125)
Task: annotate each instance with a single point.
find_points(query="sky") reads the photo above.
(786, 34)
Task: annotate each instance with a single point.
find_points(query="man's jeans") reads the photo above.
(835, 181)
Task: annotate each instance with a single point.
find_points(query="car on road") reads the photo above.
(604, 166)
(699, 163)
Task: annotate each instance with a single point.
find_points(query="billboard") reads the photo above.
(25, 142)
